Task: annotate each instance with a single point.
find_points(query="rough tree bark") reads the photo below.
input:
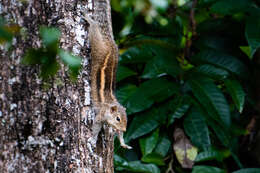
(44, 127)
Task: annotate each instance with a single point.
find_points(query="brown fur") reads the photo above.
(104, 54)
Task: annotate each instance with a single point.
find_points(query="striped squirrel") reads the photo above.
(104, 54)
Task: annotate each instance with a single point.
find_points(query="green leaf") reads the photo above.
(163, 110)
(148, 143)
(237, 93)
(207, 169)
(221, 60)
(135, 55)
(125, 92)
(248, 170)
(5, 35)
(73, 62)
(50, 36)
(124, 72)
(247, 51)
(49, 69)
(220, 129)
(70, 60)
(145, 48)
(138, 102)
(33, 56)
(196, 128)
(238, 162)
(142, 124)
(137, 166)
(211, 153)
(211, 98)
(161, 65)
(253, 34)
(221, 132)
(238, 130)
(153, 158)
(154, 90)
(229, 7)
(215, 41)
(163, 146)
(179, 107)
(119, 161)
(212, 71)
(134, 166)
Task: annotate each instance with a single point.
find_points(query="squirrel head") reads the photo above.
(116, 117)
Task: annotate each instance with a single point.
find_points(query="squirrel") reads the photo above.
(104, 54)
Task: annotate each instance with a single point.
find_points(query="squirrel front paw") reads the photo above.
(126, 146)
(122, 141)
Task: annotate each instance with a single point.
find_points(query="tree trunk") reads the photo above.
(45, 126)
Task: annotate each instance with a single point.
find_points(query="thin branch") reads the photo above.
(192, 18)
(192, 27)
(170, 169)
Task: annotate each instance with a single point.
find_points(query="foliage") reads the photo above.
(173, 73)
(44, 56)
(177, 69)
(7, 32)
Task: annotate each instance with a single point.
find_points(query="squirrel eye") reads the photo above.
(118, 119)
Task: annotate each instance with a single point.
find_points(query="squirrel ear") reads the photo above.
(113, 109)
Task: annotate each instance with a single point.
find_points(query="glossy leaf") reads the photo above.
(211, 98)
(221, 132)
(49, 69)
(5, 35)
(220, 60)
(196, 128)
(212, 154)
(50, 36)
(33, 56)
(148, 143)
(70, 60)
(125, 92)
(161, 65)
(207, 169)
(212, 71)
(150, 91)
(179, 107)
(248, 170)
(215, 42)
(138, 54)
(137, 166)
(237, 93)
(253, 34)
(73, 62)
(119, 161)
(163, 146)
(226, 7)
(138, 102)
(153, 158)
(246, 50)
(123, 72)
(141, 125)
